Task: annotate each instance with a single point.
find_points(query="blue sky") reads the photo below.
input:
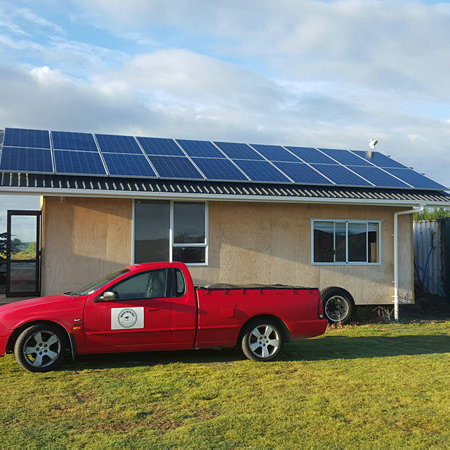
(313, 73)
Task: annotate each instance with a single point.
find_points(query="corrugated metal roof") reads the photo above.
(70, 185)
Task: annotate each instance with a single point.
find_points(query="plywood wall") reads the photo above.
(271, 243)
(85, 238)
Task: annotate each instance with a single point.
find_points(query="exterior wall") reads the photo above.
(271, 243)
(86, 238)
(83, 239)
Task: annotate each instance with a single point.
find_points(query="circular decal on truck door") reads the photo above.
(127, 318)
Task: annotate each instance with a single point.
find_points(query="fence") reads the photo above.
(432, 255)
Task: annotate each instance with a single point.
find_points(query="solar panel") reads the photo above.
(18, 137)
(340, 175)
(219, 169)
(345, 157)
(175, 167)
(275, 153)
(117, 144)
(128, 165)
(160, 146)
(379, 159)
(63, 140)
(302, 173)
(78, 162)
(238, 151)
(311, 155)
(26, 160)
(261, 171)
(200, 149)
(415, 179)
(377, 176)
(41, 151)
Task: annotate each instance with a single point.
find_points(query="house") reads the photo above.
(235, 213)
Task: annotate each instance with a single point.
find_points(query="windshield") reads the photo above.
(92, 287)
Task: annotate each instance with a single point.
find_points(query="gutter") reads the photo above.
(399, 213)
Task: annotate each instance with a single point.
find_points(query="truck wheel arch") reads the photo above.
(16, 333)
(280, 322)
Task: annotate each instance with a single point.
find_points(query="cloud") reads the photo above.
(328, 74)
(372, 43)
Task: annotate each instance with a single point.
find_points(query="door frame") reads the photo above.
(22, 212)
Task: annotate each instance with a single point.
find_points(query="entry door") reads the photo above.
(23, 253)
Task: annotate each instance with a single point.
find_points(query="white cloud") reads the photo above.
(311, 73)
(372, 43)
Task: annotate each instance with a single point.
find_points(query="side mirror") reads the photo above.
(108, 296)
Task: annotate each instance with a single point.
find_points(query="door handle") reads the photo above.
(153, 309)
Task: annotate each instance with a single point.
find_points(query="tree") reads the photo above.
(15, 244)
(432, 214)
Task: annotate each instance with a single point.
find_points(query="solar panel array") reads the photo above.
(60, 152)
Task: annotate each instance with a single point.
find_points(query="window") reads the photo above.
(151, 284)
(345, 242)
(180, 283)
(170, 231)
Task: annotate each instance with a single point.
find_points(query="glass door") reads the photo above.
(23, 254)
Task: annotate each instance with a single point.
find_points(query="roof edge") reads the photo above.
(58, 192)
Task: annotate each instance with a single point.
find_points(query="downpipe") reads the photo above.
(399, 213)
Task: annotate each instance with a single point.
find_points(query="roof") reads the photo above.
(61, 185)
(49, 162)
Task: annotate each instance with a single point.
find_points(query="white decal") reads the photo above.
(127, 318)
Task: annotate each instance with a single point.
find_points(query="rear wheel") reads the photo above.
(40, 348)
(262, 340)
(337, 305)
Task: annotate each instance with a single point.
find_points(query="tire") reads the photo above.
(337, 306)
(262, 340)
(40, 348)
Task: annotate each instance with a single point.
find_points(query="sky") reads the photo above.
(293, 72)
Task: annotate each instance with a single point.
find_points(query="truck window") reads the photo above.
(152, 284)
(181, 284)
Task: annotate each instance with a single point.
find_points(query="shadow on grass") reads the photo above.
(327, 348)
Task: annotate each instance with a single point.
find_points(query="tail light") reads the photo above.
(320, 307)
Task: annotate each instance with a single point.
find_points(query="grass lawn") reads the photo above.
(373, 385)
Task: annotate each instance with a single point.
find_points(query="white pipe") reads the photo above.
(399, 213)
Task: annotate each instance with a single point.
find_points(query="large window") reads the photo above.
(171, 231)
(345, 242)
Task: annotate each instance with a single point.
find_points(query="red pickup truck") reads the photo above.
(155, 306)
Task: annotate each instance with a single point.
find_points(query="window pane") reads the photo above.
(189, 223)
(152, 223)
(341, 241)
(189, 254)
(323, 241)
(23, 277)
(181, 286)
(24, 237)
(146, 285)
(357, 242)
(373, 242)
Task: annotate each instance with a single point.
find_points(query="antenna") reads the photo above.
(372, 143)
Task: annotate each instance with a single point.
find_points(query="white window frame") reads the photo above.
(173, 244)
(347, 263)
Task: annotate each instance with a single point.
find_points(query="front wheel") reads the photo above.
(262, 340)
(40, 348)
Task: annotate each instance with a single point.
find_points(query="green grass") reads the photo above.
(363, 386)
